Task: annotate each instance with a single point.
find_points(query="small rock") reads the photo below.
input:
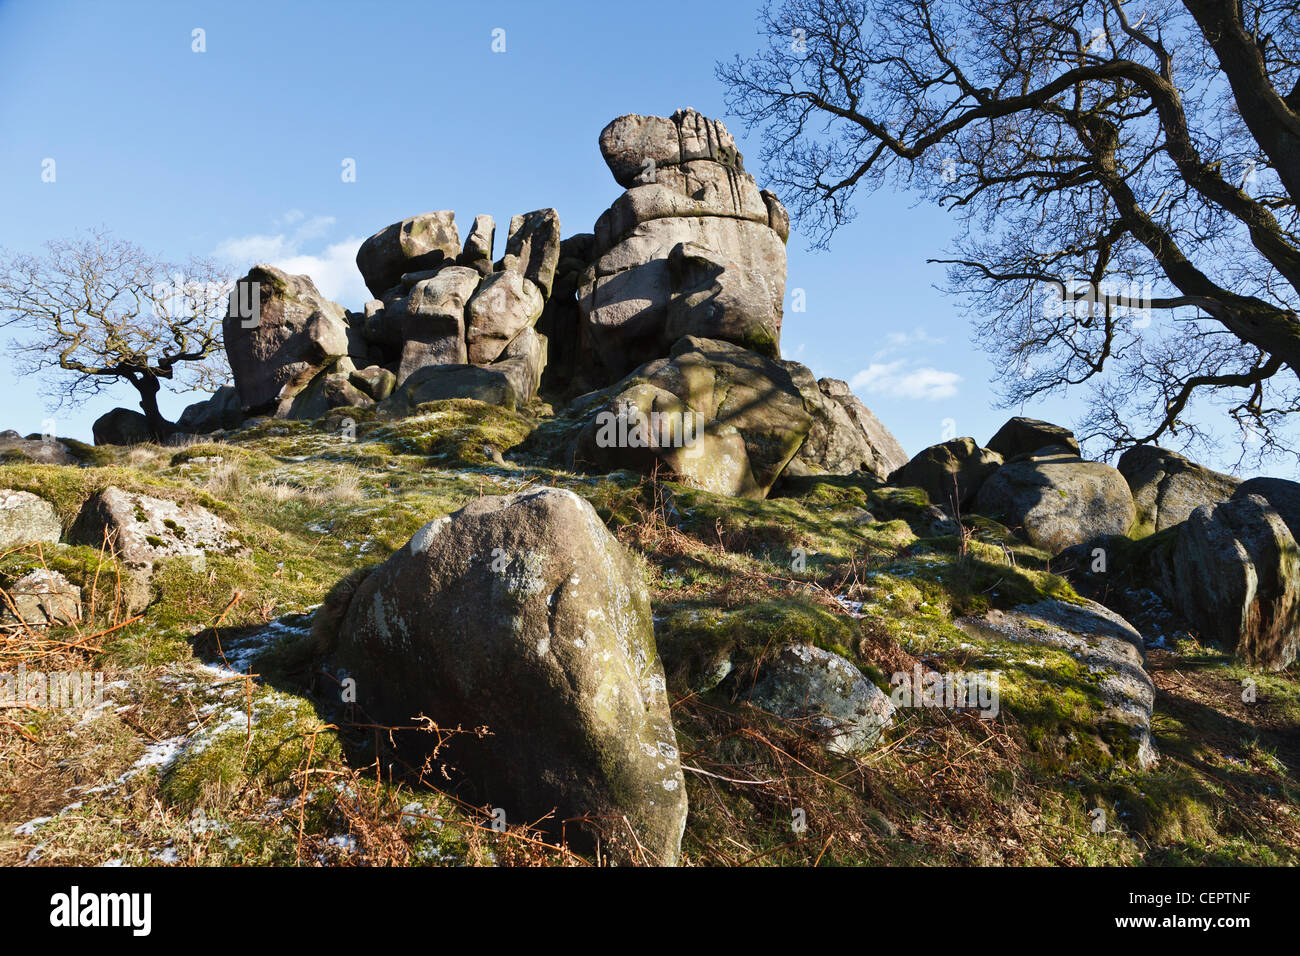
(827, 695)
(41, 598)
(27, 519)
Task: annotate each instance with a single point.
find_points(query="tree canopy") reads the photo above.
(100, 310)
(1124, 173)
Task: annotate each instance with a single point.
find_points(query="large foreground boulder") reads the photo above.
(1058, 500)
(1167, 487)
(1112, 653)
(292, 334)
(524, 615)
(27, 519)
(1236, 578)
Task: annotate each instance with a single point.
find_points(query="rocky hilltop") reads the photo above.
(554, 558)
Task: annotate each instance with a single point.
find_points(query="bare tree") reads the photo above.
(1110, 162)
(102, 310)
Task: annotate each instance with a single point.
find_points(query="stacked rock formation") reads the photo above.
(672, 304)
(445, 322)
(681, 311)
(693, 247)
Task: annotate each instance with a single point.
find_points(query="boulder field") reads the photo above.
(569, 542)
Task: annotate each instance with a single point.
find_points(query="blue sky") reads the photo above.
(238, 152)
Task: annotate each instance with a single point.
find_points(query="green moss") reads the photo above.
(456, 431)
(217, 766)
(700, 645)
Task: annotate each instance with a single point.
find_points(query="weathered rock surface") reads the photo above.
(951, 474)
(1058, 500)
(504, 304)
(729, 420)
(477, 253)
(295, 334)
(433, 327)
(523, 361)
(636, 147)
(1236, 578)
(26, 518)
(39, 599)
(375, 381)
(141, 529)
(44, 450)
(121, 426)
(825, 695)
(533, 247)
(1167, 487)
(1103, 642)
(417, 244)
(220, 412)
(886, 454)
(333, 387)
(498, 384)
(543, 636)
(1024, 436)
(689, 249)
(1283, 495)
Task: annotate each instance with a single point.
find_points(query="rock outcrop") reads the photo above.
(544, 638)
(1167, 487)
(1058, 500)
(1236, 578)
(674, 297)
(951, 474)
(691, 248)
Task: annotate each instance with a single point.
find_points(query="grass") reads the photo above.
(841, 563)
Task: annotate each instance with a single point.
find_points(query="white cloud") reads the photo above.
(896, 380)
(334, 269)
(900, 341)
